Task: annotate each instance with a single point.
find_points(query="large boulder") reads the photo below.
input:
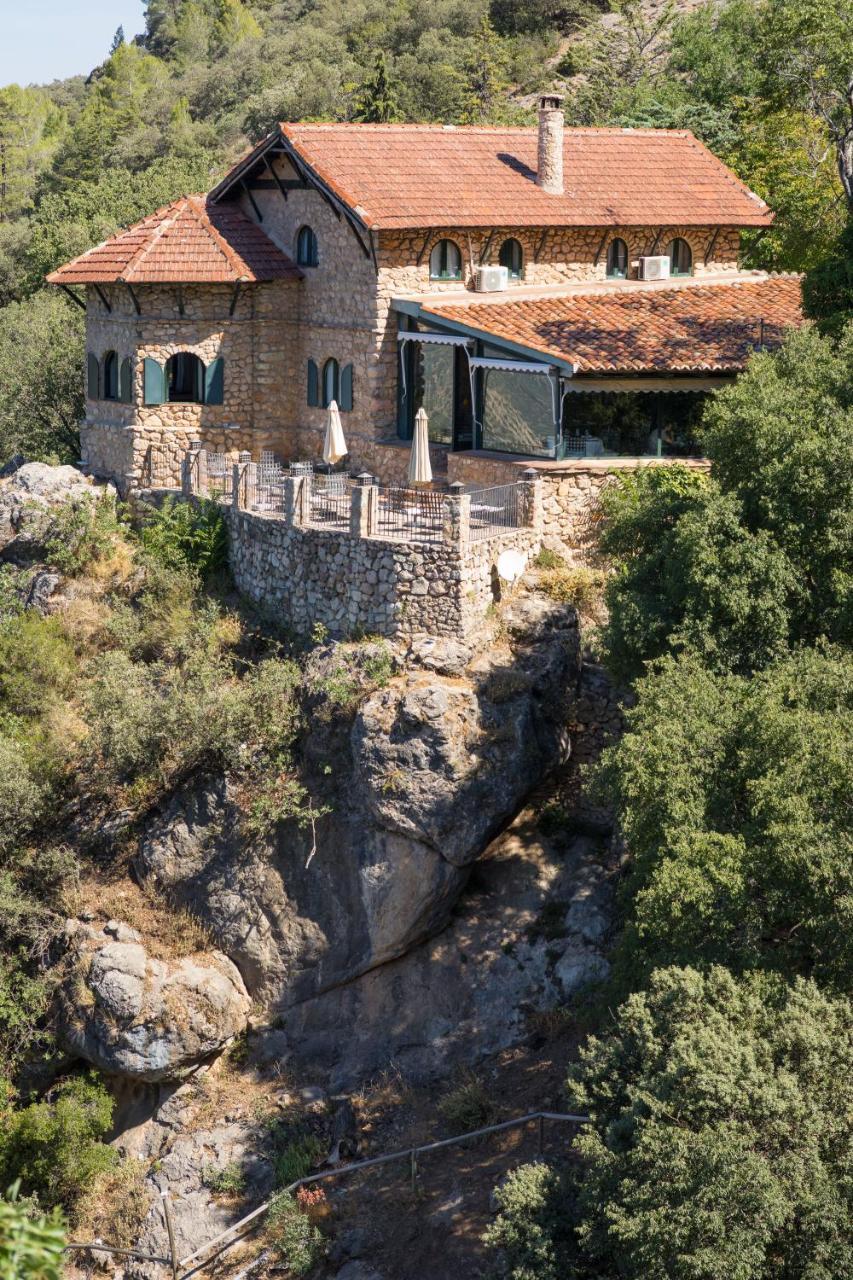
(133, 1015)
(27, 499)
(419, 779)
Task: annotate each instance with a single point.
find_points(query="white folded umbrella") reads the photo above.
(420, 468)
(334, 445)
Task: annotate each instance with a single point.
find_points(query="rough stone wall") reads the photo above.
(257, 344)
(355, 584)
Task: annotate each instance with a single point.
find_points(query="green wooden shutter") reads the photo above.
(92, 376)
(346, 387)
(313, 384)
(214, 382)
(125, 381)
(200, 381)
(154, 380)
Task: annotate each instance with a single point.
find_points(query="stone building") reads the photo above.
(561, 297)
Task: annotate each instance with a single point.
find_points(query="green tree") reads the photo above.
(485, 69)
(55, 1148)
(41, 384)
(376, 102)
(31, 1244)
(733, 798)
(722, 1118)
(759, 557)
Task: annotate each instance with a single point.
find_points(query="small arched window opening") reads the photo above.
(617, 259)
(185, 378)
(445, 261)
(680, 257)
(331, 383)
(307, 254)
(511, 256)
(110, 376)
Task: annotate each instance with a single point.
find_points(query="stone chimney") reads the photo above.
(549, 169)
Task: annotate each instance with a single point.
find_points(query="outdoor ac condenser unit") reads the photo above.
(492, 279)
(656, 268)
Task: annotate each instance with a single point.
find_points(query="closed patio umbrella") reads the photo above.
(420, 468)
(334, 445)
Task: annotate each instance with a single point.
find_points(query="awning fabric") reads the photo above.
(512, 366)
(441, 339)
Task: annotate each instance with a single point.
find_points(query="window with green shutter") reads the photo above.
(125, 381)
(92, 376)
(214, 381)
(346, 387)
(109, 380)
(313, 384)
(154, 382)
(331, 383)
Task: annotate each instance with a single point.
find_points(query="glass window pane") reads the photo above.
(434, 390)
(518, 413)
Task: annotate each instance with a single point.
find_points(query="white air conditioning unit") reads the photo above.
(656, 268)
(492, 279)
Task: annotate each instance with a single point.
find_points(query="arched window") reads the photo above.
(110, 376)
(331, 382)
(306, 248)
(185, 378)
(617, 259)
(445, 261)
(511, 256)
(680, 257)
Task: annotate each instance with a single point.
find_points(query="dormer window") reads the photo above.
(511, 256)
(445, 261)
(617, 259)
(680, 258)
(306, 248)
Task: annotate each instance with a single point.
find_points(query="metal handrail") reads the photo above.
(409, 1153)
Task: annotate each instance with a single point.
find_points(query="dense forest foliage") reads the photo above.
(761, 81)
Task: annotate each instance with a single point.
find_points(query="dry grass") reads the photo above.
(170, 931)
(114, 1206)
(578, 585)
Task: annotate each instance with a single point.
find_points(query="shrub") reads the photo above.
(468, 1106)
(31, 1244)
(293, 1236)
(80, 533)
(298, 1158)
(722, 1121)
(733, 798)
(37, 664)
(55, 1147)
(229, 1181)
(188, 535)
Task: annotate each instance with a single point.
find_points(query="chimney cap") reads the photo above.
(551, 101)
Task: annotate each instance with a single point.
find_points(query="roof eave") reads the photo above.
(407, 307)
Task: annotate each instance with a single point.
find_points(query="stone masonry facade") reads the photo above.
(341, 309)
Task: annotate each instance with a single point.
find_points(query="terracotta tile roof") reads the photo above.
(693, 328)
(190, 241)
(430, 176)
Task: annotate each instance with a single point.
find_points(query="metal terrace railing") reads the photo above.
(493, 510)
(327, 501)
(409, 515)
(220, 476)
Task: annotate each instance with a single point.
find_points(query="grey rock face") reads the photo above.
(433, 767)
(148, 1019)
(26, 499)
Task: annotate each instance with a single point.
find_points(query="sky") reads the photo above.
(44, 40)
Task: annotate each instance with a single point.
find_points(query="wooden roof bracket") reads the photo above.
(252, 201)
(180, 293)
(484, 252)
(235, 294)
(104, 299)
(655, 242)
(73, 296)
(133, 298)
(276, 179)
(602, 242)
(372, 239)
(711, 243)
(541, 245)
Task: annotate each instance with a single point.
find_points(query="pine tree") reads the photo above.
(487, 83)
(376, 102)
(118, 40)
